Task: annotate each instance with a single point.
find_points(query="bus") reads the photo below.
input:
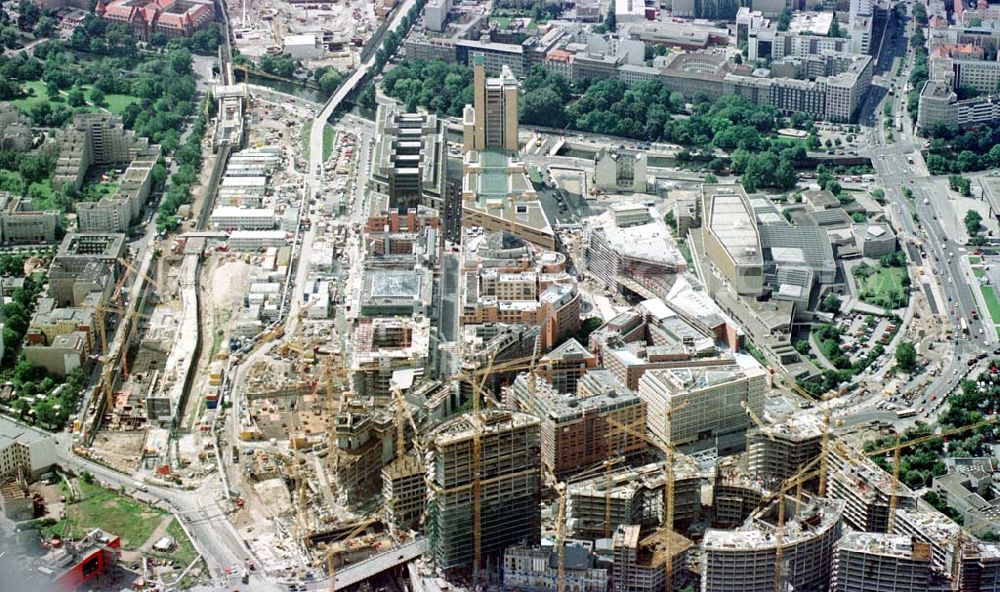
(908, 412)
(965, 326)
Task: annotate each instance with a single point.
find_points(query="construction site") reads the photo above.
(318, 34)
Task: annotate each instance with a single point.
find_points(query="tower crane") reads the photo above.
(561, 538)
(668, 482)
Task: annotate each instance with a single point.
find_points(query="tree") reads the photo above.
(45, 27)
(906, 356)
(784, 19)
(543, 107)
(76, 98)
(973, 222)
(830, 304)
(711, 179)
(97, 97)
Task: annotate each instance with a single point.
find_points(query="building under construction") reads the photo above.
(404, 491)
(581, 429)
(640, 564)
(866, 490)
(636, 497)
(776, 452)
(506, 478)
(880, 562)
(735, 496)
(744, 560)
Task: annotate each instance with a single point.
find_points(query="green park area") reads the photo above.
(978, 272)
(138, 525)
(884, 287)
(94, 101)
(110, 511)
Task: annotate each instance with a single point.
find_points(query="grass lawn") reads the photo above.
(306, 133)
(885, 287)
(992, 303)
(117, 103)
(329, 135)
(100, 508)
(974, 260)
(184, 551)
(37, 97)
(978, 272)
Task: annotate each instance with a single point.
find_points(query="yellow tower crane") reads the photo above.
(561, 538)
(669, 451)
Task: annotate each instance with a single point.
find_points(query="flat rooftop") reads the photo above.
(731, 220)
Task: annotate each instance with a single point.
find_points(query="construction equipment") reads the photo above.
(668, 483)
(477, 510)
(824, 454)
(561, 538)
(897, 448)
(756, 420)
(331, 554)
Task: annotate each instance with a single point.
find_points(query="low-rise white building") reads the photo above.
(232, 218)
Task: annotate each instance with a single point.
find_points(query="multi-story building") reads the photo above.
(491, 121)
(173, 18)
(404, 490)
(21, 223)
(564, 366)
(707, 405)
(778, 451)
(731, 239)
(581, 429)
(939, 106)
(365, 437)
(509, 477)
(630, 244)
(383, 346)
(744, 560)
(865, 488)
(640, 564)
(616, 170)
(410, 159)
(879, 562)
(231, 218)
(536, 569)
(116, 213)
(494, 57)
(24, 450)
(636, 496)
(98, 139)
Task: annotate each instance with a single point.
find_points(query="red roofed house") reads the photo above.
(173, 18)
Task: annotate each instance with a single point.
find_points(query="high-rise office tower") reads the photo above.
(491, 121)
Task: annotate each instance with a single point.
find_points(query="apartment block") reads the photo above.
(24, 450)
(96, 139)
(509, 478)
(20, 222)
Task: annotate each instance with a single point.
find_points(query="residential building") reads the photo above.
(565, 366)
(510, 477)
(97, 139)
(24, 450)
(21, 223)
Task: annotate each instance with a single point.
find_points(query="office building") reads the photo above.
(865, 489)
(581, 429)
(879, 562)
(491, 121)
(143, 18)
(778, 451)
(743, 560)
(707, 405)
(410, 159)
(636, 496)
(228, 218)
(565, 366)
(630, 244)
(510, 476)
